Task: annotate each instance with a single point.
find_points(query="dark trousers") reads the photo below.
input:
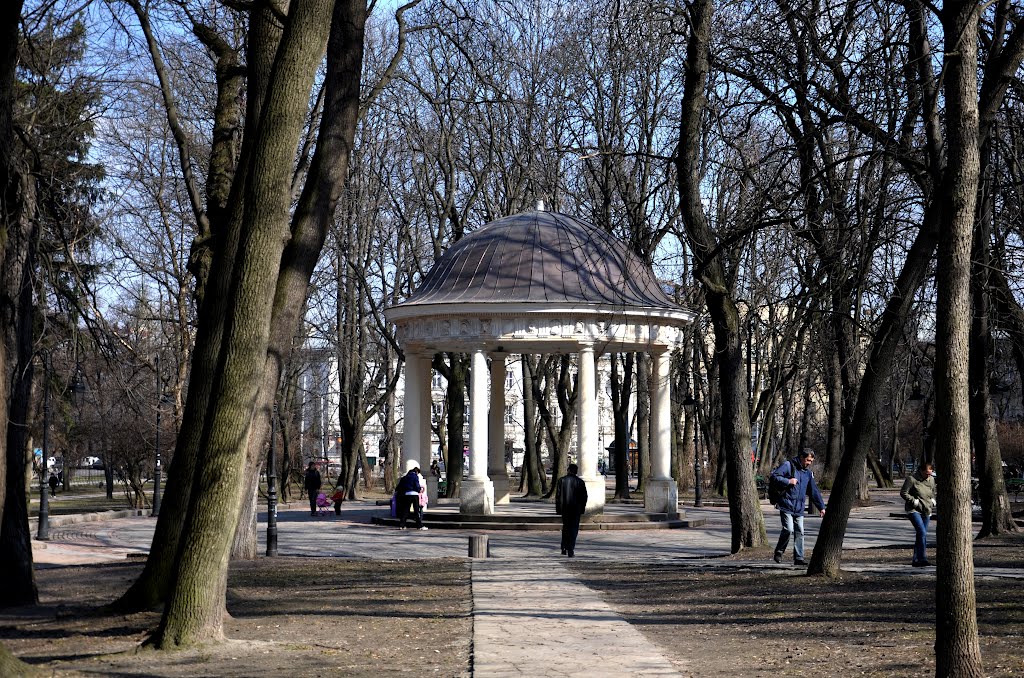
(312, 500)
(406, 504)
(570, 530)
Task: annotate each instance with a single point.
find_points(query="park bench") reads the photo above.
(1015, 486)
(762, 487)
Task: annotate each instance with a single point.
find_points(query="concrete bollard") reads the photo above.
(478, 547)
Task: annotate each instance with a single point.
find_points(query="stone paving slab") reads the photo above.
(533, 619)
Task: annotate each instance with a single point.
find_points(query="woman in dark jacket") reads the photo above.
(918, 493)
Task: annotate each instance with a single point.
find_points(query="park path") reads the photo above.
(537, 619)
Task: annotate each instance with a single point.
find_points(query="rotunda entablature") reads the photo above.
(520, 328)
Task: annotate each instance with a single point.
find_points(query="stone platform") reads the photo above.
(540, 516)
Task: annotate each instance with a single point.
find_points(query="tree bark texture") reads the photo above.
(195, 608)
(748, 529)
(457, 375)
(153, 585)
(325, 181)
(860, 435)
(643, 418)
(622, 389)
(996, 516)
(531, 480)
(17, 319)
(957, 652)
(17, 242)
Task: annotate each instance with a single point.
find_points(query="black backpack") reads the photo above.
(776, 488)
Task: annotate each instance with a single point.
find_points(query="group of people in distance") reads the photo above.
(793, 480)
(918, 494)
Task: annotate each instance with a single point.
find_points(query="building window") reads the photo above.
(436, 412)
(510, 415)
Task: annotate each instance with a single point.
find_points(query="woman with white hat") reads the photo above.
(407, 495)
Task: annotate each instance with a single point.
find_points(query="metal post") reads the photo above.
(272, 489)
(698, 466)
(44, 500)
(156, 468)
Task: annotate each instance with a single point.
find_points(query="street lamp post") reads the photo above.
(156, 463)
(43, 532)
(272, 489)
(698, 465)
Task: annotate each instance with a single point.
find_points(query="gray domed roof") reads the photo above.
(540, 257)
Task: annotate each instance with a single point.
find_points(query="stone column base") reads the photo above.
(432, 491)
(661, 496)
(477, 497)
(595, 495)
(502, 491)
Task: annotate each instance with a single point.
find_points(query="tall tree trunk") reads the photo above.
(834, 439)
(17, 319)
(389, 447)
(996, 516)
(621, 395)
(328, 172)
(957, 652)
(682, 423)
(747, 521)
(457, 374)
(19, 242)
(643, 418)
(195, 607)
(560, 440)
(153, 585)
(531, 481)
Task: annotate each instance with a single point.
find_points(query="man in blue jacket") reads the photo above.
(797, 474)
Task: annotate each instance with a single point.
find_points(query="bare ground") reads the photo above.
(729, 622)
(289, 617)
(320, 617)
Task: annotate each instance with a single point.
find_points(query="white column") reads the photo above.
(586, 435)
(478, 398)
(661, 417)
(477, 490)
(426, 401)
(412, 428)
(496, 469)
(661, 495)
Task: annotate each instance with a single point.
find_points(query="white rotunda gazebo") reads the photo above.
(536, 282)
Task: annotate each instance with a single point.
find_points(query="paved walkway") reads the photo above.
(532, 617)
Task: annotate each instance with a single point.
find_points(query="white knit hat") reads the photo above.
(411, 464)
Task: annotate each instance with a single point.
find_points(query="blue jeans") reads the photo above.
(792, 525)
(920, 523)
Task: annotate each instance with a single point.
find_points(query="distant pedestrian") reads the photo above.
(796, 473)
(919, 494)
(338, 498)
(407, 495)
(435, 470)
(570, 503)
(312, 483)
(53, 484)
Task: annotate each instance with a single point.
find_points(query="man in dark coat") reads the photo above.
(570, 503)
(312, 484)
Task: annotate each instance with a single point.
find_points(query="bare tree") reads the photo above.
(748, 528)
